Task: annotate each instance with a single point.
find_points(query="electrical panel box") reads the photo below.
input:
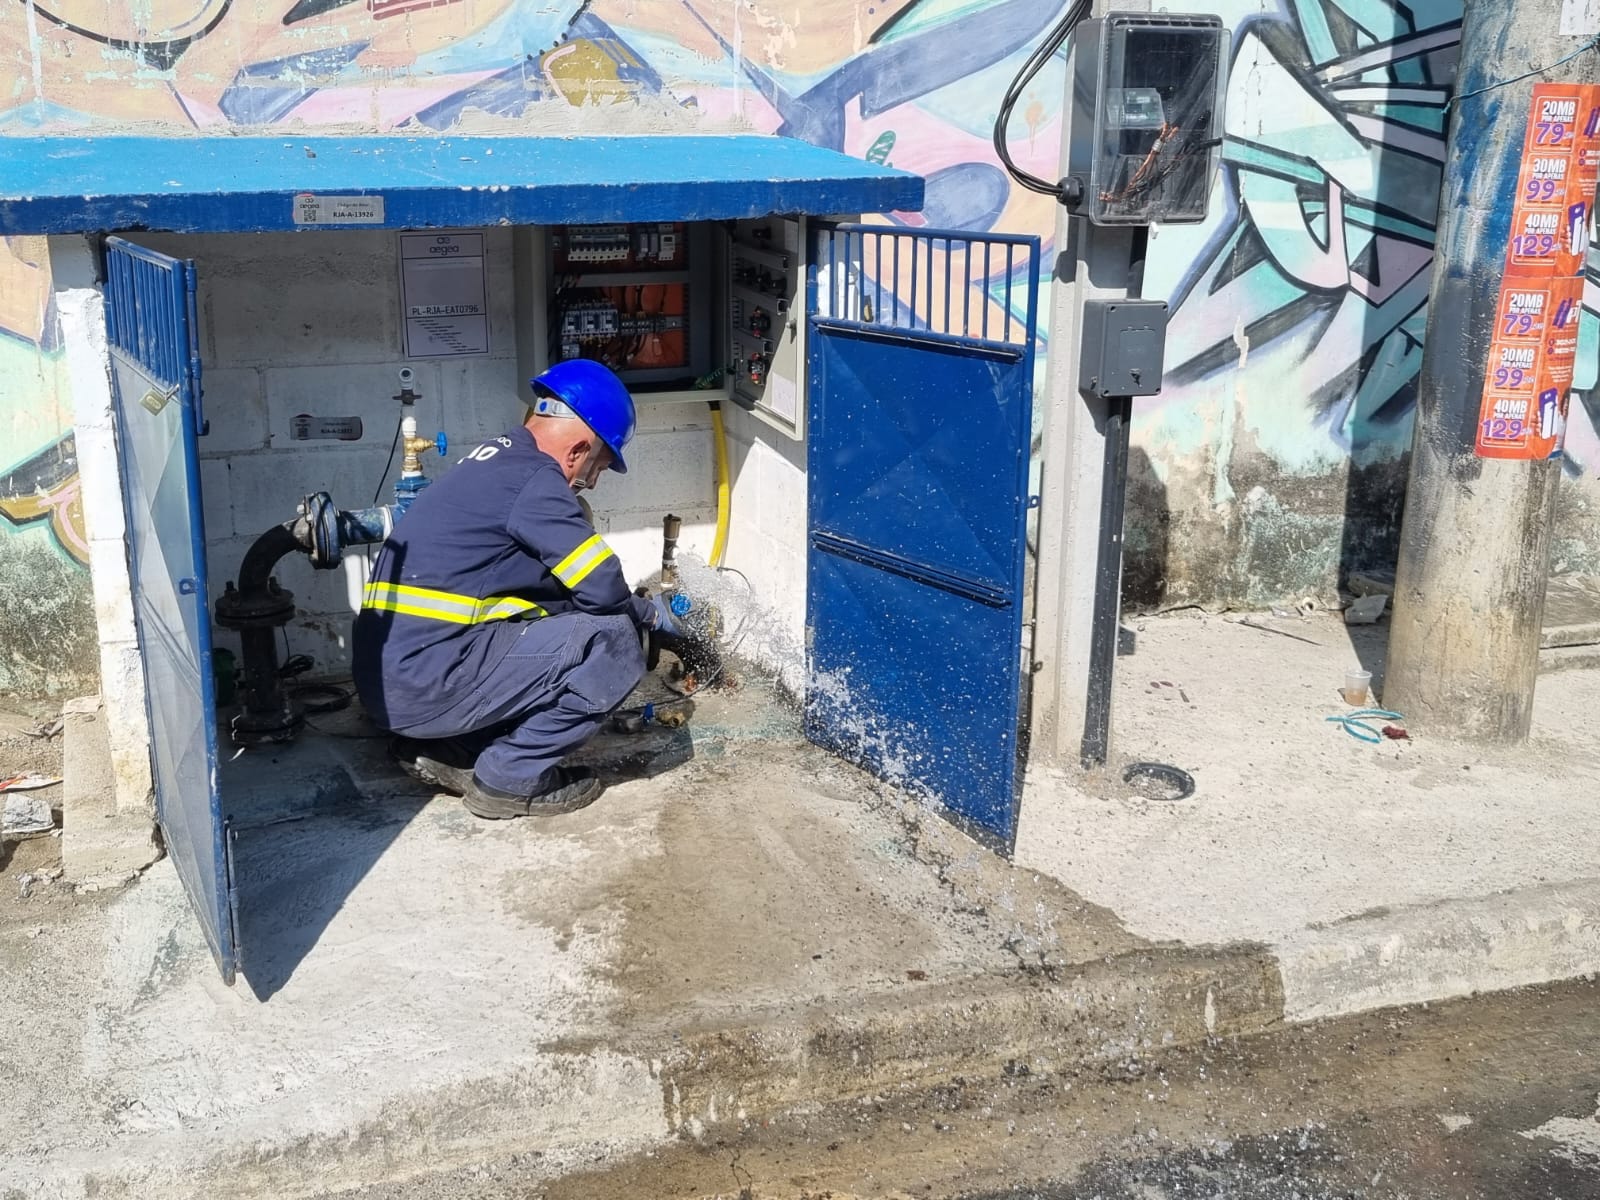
(684, 312)
(764, 262)
(1147, 117)
(1124, 347)
(635, 297)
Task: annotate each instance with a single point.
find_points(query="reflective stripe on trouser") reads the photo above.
(547, 691)
(445, 606)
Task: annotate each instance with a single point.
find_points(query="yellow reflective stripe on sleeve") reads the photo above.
(580, 564)
(445, 606)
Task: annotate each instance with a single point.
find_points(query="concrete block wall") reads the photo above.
(767, 541)
(310, 323)
(81, 310)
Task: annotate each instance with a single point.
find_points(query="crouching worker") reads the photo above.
(498, 632)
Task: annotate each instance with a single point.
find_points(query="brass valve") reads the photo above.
(414, 446)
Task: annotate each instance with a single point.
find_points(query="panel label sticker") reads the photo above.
(312, 209)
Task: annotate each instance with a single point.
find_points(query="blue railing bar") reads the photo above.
(988, 268)
(894, 287)
(966, 293)
(877, 279)
(1011, 270)
(1033, 291)
(190, 297)
(916, 242)
(858, 264)
(949, 276)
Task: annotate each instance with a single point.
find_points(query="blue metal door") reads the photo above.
(921, 351)
(155, 374)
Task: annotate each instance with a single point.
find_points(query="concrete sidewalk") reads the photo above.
(1408, 871)
(748, 928)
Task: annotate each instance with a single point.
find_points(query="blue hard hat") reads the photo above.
(591, 392)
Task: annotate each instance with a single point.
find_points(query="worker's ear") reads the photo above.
(578, 453)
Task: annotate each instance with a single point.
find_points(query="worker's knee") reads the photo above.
(610, 666)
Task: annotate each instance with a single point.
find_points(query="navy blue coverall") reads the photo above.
(496, 615)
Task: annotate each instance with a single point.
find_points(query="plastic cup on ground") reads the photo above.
(1356, 684)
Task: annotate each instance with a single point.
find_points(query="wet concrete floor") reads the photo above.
(1487, 1099)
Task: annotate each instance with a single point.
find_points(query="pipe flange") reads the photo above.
(259, 610)
(322, 529)
(248, 730)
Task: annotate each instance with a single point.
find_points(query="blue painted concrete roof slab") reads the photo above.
(261, 184)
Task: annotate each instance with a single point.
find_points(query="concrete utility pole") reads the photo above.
(1091, 263)
(1491, 401)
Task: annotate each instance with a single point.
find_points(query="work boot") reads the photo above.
(443, 763)
(567, 790)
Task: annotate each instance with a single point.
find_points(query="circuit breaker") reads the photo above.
(1147, 117)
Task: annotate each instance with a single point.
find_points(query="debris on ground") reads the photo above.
(46, 729)
(1366, 610)
(26, 817)
(25, 882)
(28, 783)
(1249, 624)
(1357, 727)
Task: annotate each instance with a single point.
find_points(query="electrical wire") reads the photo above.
(1046, 50)
(393, 446)
(1592, 44)
(338, 698)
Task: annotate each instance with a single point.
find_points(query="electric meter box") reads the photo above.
(1147, 117)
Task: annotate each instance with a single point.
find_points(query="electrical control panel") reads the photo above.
(1147, 117)
(635, 297)
(683, 311)
(764, 319)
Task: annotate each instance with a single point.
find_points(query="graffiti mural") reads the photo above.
(1299, 307)
(38, 458)
(45, 489)
(47, 627)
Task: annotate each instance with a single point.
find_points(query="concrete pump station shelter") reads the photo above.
(237, 318)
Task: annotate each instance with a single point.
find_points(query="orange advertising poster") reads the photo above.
(1530, 367)
(1535, 340)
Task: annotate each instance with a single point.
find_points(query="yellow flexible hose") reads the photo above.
(719, 544)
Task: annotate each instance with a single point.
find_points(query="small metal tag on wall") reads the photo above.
(307, 428)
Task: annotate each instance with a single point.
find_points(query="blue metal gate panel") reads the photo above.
(921, 358)
(155, 371)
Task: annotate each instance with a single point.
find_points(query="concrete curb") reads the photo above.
(1111, 1012)
(1442, 951)
(585, 1101)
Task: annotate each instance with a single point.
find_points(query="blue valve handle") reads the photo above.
(442, 443)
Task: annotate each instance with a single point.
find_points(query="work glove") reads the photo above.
(663, 621)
